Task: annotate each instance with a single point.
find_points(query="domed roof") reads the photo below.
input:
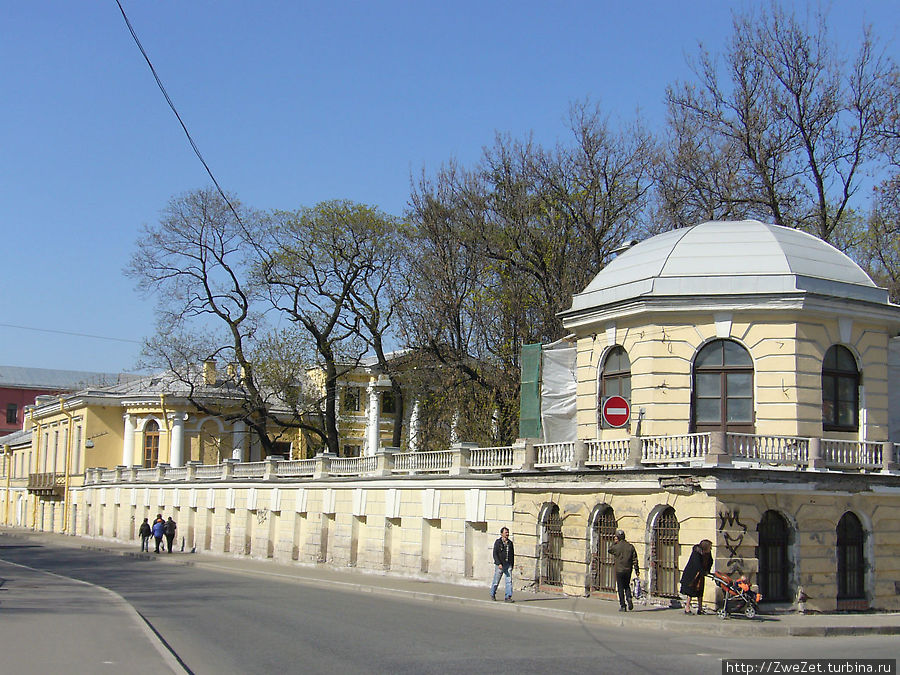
(720, 258)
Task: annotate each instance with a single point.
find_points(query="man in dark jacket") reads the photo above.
(145, 533)
(504, 557)
(625, 559)
(159, 529)
(170, 533)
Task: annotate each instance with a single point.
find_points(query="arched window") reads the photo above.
(603, 531)
(551, 547)
(151, 444)
(840, 390)
(664, 554)
(723, 388)
(772, 553)
(615, 379)
(851, 564)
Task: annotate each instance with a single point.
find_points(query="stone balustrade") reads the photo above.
(635, 453)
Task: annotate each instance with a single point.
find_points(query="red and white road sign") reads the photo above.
(616, 411)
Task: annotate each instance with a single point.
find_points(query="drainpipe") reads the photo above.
(7, 453)
(62, 407)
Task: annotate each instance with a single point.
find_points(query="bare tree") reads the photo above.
(803, 120)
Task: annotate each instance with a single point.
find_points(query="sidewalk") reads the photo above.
(589, 610)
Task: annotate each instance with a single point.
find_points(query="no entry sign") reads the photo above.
(616, 411)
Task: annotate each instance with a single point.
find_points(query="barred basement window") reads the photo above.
(774, 565)
(664, 554)
(603, 573)
(551, 547)
(851, 563)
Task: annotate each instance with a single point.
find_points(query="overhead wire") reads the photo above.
(67, 332)
(165, 93)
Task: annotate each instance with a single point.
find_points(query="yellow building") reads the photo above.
(762, 414)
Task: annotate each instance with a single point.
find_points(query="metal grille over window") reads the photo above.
(850, 558)
(603, 573)
(774, 567)
(551, 547)
(664, 555)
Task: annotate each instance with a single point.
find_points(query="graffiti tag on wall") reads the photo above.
(733, 530)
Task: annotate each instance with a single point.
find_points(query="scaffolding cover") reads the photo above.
(558, 393)
(530, 392)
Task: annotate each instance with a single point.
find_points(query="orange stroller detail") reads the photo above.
(739, 597)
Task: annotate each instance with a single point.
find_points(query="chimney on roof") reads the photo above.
(209, 371)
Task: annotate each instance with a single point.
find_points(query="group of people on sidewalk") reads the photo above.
(625, 559)
(159, 529)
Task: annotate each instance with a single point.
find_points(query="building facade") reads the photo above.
(755, 364)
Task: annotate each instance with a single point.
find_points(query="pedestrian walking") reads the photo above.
(504, 558)
(145, 533)
(625, 559)
(159, 529)
(170, 532)
(694, 575)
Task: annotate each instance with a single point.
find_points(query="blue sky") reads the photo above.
(291, 103)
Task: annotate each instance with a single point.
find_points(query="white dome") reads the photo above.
(727, 259)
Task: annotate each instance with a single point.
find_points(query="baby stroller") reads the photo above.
(739, 597)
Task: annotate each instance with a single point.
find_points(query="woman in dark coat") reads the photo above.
(694, 574)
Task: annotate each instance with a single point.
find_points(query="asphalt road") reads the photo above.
(222, 622)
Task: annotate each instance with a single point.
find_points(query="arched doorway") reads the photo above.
(851, 562)
(551, 547)
(664, 551)
(774, 563)
(603, 531)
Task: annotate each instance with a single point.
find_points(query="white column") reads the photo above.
(373, 422)
(414, 426)
(239, 431)
(128, 441)
(176, 441)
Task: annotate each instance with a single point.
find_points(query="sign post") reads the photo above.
(616, 411)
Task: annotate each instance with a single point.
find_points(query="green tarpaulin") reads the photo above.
(530, 393)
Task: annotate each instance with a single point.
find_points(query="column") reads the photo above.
(239, 433)
(128, 441)
(414, 426)
(373, 421)
(176, 440)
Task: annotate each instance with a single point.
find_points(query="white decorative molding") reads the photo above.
(275, 500)
(176, 499)
(117, 496)
(192, 498)
(229, 498)
(300, 501)
(134, 496)
(147, 497)
(103, 497)
(431, 504)
(611, 335)
(392, 500)
(359, 501)
(328, 500)
(252, 496)
(161, 498)
(476, 503)
(845, 327)
(210, 498)
(723, 324)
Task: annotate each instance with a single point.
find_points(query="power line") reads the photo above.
(66, 332)
(174, 110)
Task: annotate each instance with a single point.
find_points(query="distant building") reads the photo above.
(20, 386)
